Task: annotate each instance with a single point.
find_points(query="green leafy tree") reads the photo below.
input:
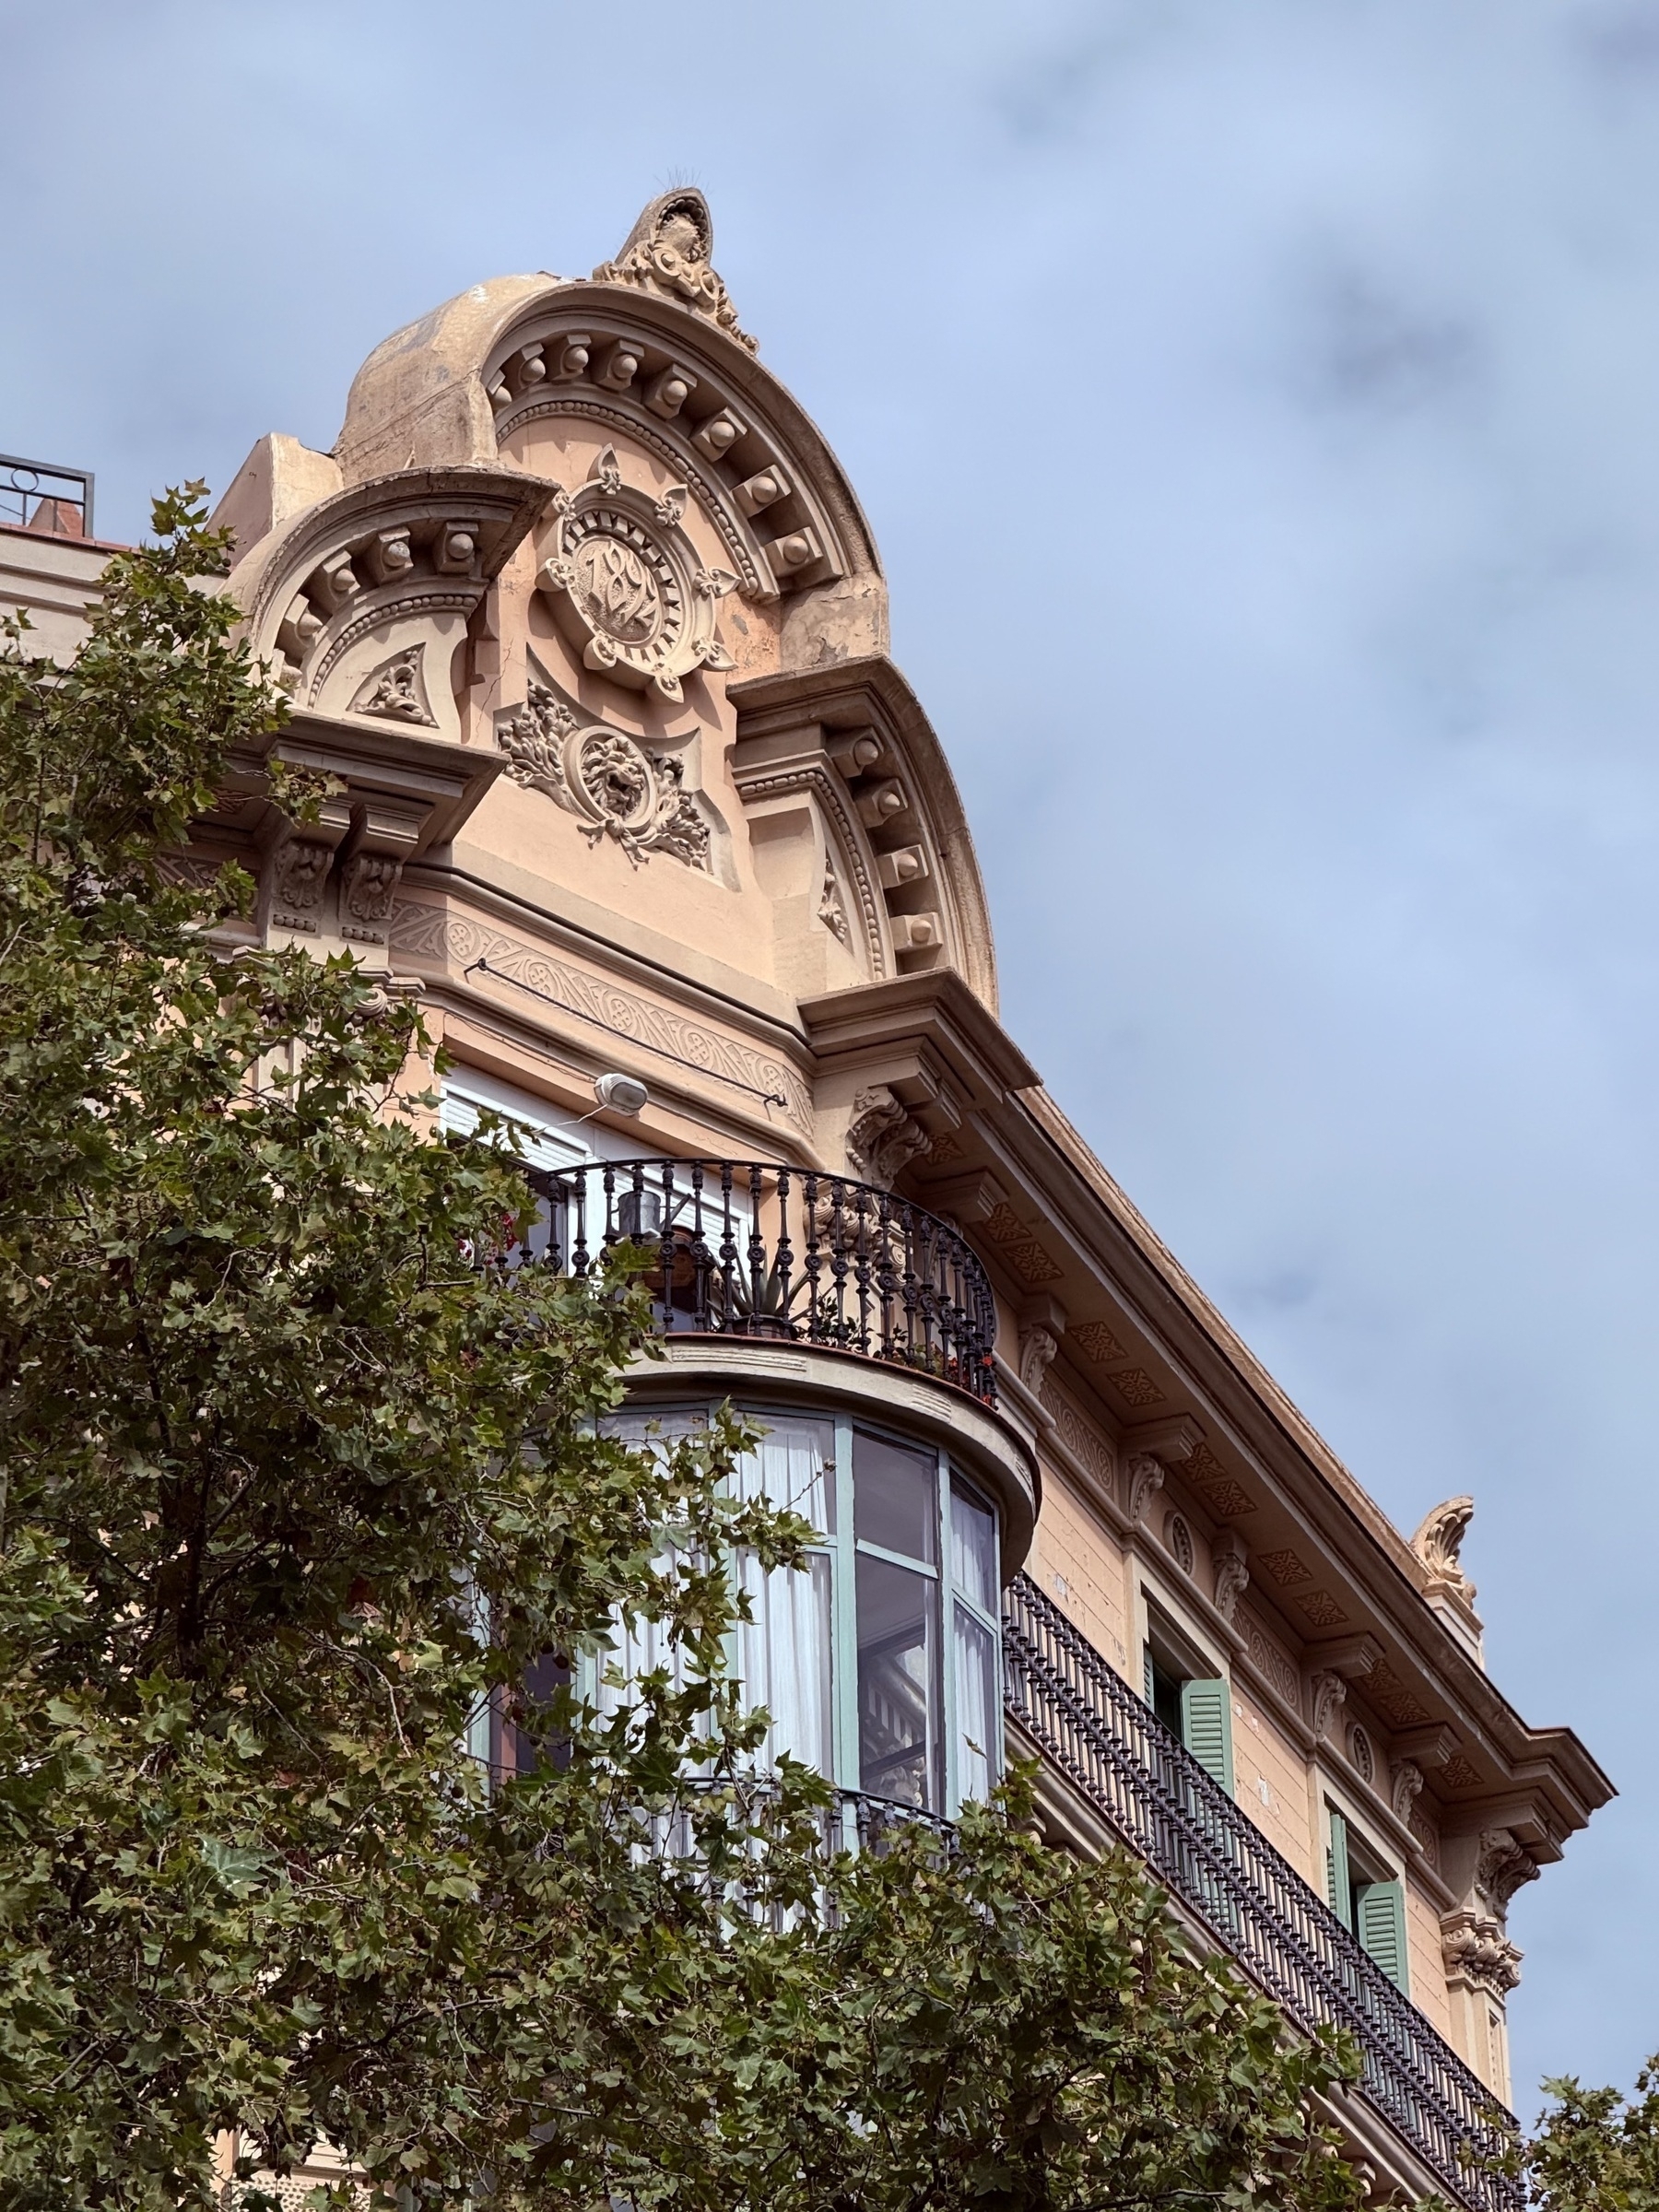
(299, 1475)
(1596, 2150)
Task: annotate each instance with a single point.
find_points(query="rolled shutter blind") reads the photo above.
(1337, 1881)
(1207, 1729)
(1381, 1930)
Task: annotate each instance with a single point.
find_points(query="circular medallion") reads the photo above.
(627, 585)
(624, 584)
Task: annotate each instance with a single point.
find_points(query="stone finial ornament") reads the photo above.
(667, 251)
(1440, 1539)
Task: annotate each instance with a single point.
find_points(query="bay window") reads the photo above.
(879, 1660)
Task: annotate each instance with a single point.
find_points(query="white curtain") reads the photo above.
(784, 1653)
(976, 1717)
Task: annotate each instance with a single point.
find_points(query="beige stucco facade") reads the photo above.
(585, 617)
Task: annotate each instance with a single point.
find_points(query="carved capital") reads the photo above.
(1145, 1478)
(1477, 1953)
(1330, 1694)
(1408, 1787)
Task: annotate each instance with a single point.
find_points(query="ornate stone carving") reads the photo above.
(1266, 1655)
(614, 785)
(422, 934)
(621, 581)
(832, 913)
(881, 1137)
(667, 251)
(1232, 1571)
(396, 690)
(1037, 1350)
(1330, 1694)
(367, 883)
(1363, 1760)
(1440, 1539)
(1477, 1951)
(1145, 1476)
(1407, 1783)
(1502, 1867)
(298, 874)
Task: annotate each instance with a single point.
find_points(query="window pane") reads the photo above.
(640, 1647)
(784, 1659)
(979, 1724)
(897, 1684)
(895, 1498)
(794, 1466)
(973, 1548)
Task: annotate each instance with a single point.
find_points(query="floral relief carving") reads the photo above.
(396, 690)
(832, 913)
(1272, 1662)
(615, 786)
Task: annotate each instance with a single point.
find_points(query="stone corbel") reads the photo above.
(1407, 1786)
(1329, 1694)
(1230, 1556)
(1503, 1866)
(1173, 1440)
(1144, 1476)
(882, 1138)
(1430, 1748)
(384, 832)
(298, 859)
(1353, 1657)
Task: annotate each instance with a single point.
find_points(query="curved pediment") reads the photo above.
(646, 349)
(361, 603)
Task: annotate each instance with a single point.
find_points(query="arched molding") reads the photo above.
(853, 733)
(454, 388)
(385, 569)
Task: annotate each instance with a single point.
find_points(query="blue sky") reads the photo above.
(1280, 387)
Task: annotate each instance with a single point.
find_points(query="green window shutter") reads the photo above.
(1338, 1885)
(1152, 1685)
(1381, 1930)
(1207, 1729)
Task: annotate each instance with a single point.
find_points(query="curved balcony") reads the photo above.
(744, 1249)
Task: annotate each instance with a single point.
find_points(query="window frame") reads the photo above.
(844, 1548)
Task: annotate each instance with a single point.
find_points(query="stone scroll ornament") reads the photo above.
(614, 785)
(667, 251)
(627, 586)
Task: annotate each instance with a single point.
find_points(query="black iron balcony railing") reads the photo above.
(740, 1248)
(35, 495)
(1157, 1798)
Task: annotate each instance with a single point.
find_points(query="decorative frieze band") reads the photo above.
(423, 931)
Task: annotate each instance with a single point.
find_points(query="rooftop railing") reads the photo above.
(742, 1249)
(1154, 1796)
(38, 496)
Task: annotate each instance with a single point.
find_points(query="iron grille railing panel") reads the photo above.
(746, 1249)
(1155, 1797)
(37, 495)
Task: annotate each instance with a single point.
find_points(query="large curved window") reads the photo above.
(878, 1662)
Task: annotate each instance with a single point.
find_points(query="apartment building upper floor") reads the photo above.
(583, 618)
